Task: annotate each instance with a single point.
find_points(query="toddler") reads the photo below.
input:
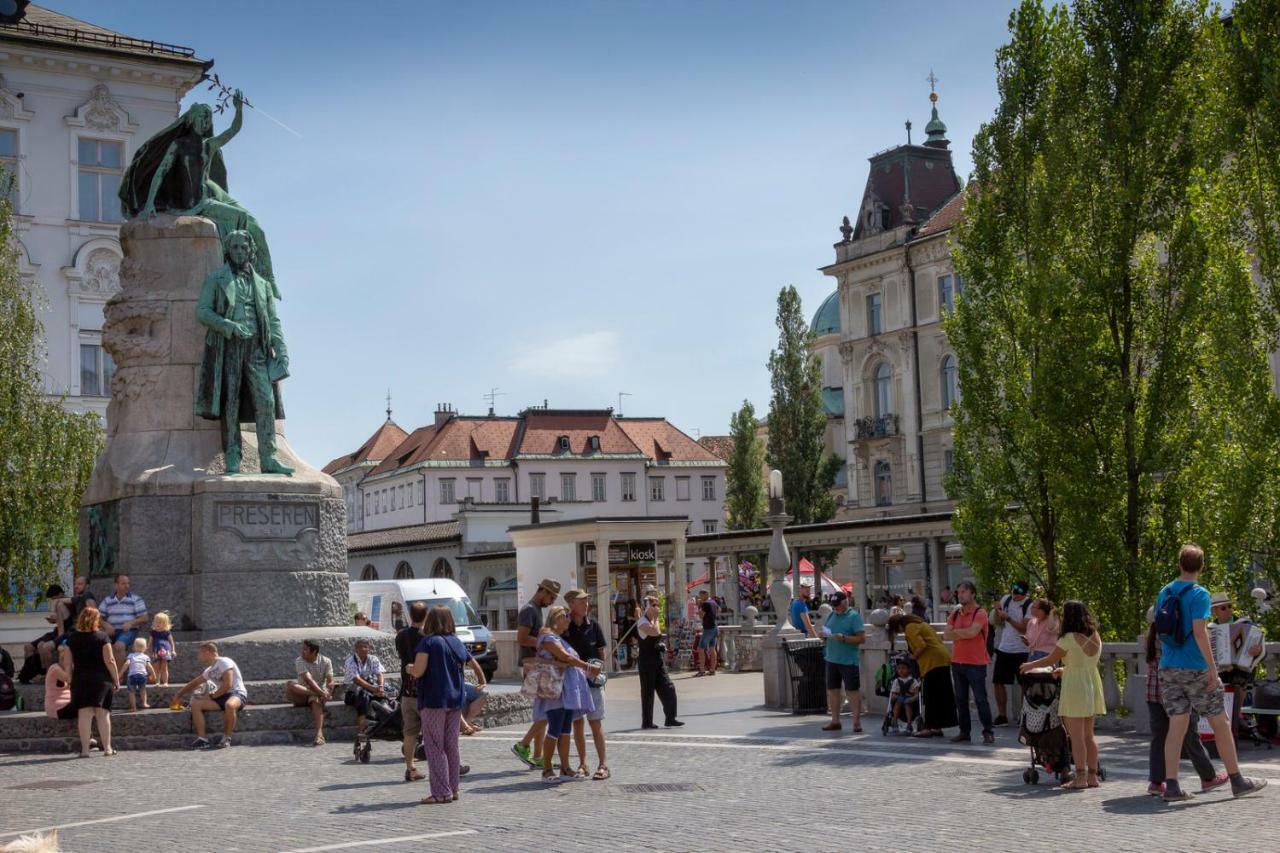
(903, 696)
(138, 666)
(163, 646)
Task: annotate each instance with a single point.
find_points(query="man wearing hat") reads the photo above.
(1011, 648)
(844, 632)
(586, 638)
(799, 610)
(528, 625)
(1224, 614)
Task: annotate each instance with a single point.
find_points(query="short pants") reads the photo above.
(1006, 669)
(1185, 690)
(709, 636)
(597, 696)
(559, 722)
(411, 723)
(125, 638)
(471, 694)
(138, 682)
(843, 673)
(221, 701)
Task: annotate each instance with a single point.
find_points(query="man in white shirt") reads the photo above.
(314, 685)
(227, 695)
(1011, 614)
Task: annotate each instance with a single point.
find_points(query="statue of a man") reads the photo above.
(244, 354)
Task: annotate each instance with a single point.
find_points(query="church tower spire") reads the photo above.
(935, 130)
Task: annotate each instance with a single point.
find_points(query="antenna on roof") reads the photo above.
(621, 394)
(492, 397)
(388, 404)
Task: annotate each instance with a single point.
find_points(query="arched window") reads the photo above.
(368, 573)
(404, 572)
(950, 382)
(884, 484)
(442, 569)
(883, 391)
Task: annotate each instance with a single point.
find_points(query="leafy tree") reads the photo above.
(46, 452)
(745, 488)
(797, 419)
(1112, 343)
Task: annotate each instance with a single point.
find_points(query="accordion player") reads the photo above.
(1233, 650)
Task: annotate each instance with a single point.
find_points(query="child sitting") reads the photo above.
(138, 666)
(904, 694)
(163, 646)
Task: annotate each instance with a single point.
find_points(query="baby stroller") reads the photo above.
(382, 721)
(1041, 729)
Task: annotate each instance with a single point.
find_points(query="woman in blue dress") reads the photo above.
(574, 699)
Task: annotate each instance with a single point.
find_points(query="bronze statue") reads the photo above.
(180, 170)
(244, 354)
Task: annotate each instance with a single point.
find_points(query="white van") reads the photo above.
(386, 603)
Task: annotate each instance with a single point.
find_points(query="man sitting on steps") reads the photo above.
(228, 695)
(314, 686)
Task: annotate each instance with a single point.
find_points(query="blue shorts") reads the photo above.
(126, 638)
(709, 636)
(471, 694)
(559, 722)
(138, 682)
(221, 701)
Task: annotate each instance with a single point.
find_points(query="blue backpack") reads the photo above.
(1169, 619)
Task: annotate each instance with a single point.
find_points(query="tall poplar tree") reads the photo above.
(1112, 343)
(797, 419)
(745, 488)
(46, 452)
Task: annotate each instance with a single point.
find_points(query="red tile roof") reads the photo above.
(720, 445)
(945, 217)
(458, 439)
(375, 449)
(543, 429)
(662, 442)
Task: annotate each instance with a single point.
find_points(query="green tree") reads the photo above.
(744, 489)
(797, 419)
(1112, 344)
(46, 452)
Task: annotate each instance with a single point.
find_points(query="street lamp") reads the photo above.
(779, 555)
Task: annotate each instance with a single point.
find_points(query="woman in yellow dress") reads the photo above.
(1080, 696)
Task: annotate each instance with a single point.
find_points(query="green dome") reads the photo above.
(827, 320)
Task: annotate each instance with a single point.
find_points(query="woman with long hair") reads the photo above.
(94, 678)
(938, 698)
(1080, 696)
(437, 671)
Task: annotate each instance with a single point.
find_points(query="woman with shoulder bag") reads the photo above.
(437, 671)
(574, 698)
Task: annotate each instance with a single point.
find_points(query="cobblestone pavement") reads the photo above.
(742, 779)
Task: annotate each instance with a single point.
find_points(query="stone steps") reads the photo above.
(260, 692)
(263, 722)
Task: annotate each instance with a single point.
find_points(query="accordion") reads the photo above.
(1231, 645)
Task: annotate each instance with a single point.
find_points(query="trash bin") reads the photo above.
(808, 676)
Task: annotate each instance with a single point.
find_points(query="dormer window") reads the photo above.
(593, 444)
(562, 444)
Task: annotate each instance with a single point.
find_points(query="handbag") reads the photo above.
(543, 680)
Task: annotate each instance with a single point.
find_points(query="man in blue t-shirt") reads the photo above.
(1189, 679)
(844, 633)
(799, 610)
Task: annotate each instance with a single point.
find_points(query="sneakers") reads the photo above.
(673, 724)
(201, 743)
(988, 738)
(1155, 789)
(225, 743)
(1216, 782)
(1177, 796)
(521, 752)
(1001, 720)
(1247, 786)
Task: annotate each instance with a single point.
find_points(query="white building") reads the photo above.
(440, 501)
(76, 101)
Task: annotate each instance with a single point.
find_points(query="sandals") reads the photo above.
(435, 801)
(601, 773)
(110, 753)
(413, 775)
(1093, 780)
(832, 727)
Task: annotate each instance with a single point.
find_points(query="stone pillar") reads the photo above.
(939, 556)
(681, 578)
(733, 595)
(604, 608)
(712, 564)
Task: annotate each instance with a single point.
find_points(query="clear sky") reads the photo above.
(564, 200)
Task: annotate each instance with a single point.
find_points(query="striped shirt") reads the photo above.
(118, 611)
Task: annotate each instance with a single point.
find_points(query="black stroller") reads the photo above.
(382, 719)
(1041, 729)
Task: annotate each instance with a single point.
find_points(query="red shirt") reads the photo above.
(974, 649)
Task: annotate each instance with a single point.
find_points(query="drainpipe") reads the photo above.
(915, 349)
(425, 493)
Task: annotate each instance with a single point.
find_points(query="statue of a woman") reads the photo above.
(180, 170)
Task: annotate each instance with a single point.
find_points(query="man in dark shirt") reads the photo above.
(528, 624)
(710, 633)
(587, 640)
(407, 640)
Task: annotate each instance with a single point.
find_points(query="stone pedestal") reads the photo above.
(220, 553)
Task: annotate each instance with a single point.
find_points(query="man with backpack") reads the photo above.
(1010, 615)
(1188, 676)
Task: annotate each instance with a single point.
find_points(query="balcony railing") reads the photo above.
(881, 426)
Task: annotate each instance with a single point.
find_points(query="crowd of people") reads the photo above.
(1023, 635)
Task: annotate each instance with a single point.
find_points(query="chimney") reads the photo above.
(443, 412)
(533, 512)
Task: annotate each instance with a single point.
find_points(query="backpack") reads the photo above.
(1169, 619)
(8, 693)
(884, 679)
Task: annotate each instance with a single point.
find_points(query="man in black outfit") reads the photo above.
(653, 671)
(587, 640)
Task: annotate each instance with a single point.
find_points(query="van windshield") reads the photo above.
(463, 614)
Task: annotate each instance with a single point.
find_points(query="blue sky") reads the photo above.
(563, 200)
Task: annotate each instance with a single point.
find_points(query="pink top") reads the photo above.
(57, 690)
(1042, 636)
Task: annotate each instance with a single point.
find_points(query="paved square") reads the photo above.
(743, 779)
